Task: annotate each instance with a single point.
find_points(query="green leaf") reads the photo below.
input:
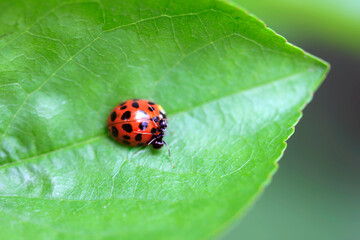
(235, 88)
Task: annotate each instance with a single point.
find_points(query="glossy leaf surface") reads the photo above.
(235, 88)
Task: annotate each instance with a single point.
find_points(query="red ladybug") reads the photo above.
(138, 122)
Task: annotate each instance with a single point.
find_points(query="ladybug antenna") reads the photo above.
(169, 154)
(172, 118)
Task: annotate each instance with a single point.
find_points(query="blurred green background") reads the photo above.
(316, 192)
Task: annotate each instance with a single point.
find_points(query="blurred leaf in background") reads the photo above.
(333, 22)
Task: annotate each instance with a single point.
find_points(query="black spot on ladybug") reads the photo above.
(151, 103)
(141, 144)
(153, 130)
(135, 105)
(138, 137)
(113, 116)
(126, 142)
(151, 108)
(123, 107)
(127, 128)
(126, 137)
(143, 126)
(126, 115)
(114, 131)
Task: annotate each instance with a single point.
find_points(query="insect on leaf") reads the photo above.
(235, 86)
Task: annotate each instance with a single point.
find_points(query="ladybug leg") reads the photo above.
(169, 154)
(140, 149)
(151, 141)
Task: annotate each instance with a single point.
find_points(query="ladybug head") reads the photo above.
(158, 143)
(162, 124)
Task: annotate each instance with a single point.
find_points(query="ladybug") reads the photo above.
(138, 123)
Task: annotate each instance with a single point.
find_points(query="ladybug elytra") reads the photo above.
(138, 122)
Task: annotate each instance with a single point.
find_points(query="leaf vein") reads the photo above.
(177, 112)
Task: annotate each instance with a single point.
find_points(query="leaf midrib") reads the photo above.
(100, 136)
(109, 30)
